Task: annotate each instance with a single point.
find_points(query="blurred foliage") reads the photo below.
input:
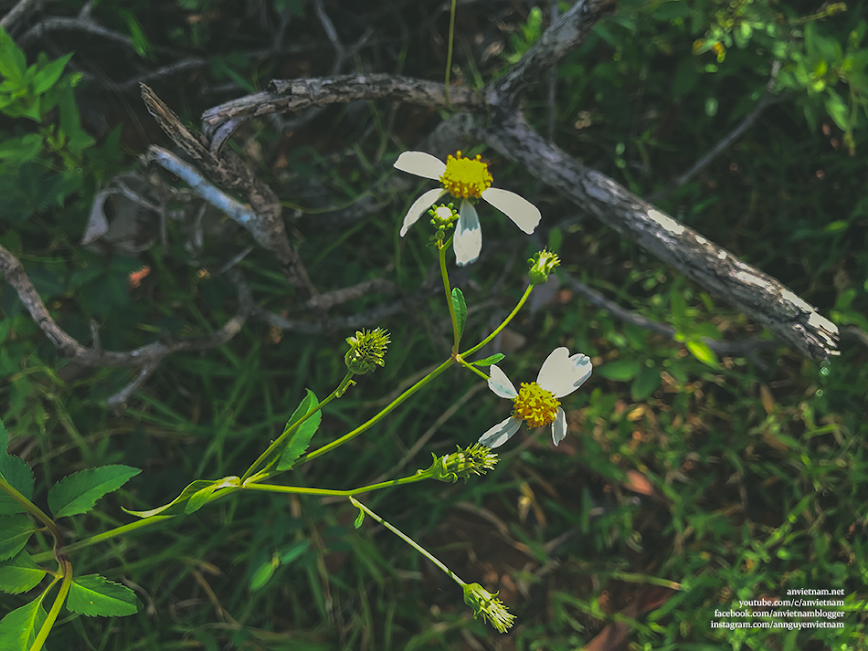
(731, 477)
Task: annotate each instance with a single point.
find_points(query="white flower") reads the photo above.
(537, 402)
(465, 179)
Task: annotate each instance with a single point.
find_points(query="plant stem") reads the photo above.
(106, 535)
(456, 336)
(408, 540)
(449, 52)
(290, 430)
(34, 510)
(66, 568)
(502, 325)
(376, 419)
(273, 488)
(471, 367)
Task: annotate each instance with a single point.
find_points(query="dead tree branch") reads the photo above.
(230, 170)
(755, 293)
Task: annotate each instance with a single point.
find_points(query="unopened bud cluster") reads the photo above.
(475, 460)
(367, 350)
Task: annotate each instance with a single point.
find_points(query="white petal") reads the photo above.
(500, 384)
(419, 207)
(525, 215)
(421, 164)
(500, 433)
(559, 427)
(468, 235)
(562, 374)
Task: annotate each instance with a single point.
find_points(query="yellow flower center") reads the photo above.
(466, 177)
(535, 405)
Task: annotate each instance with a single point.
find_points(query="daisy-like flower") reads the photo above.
(467, 179)
(537, 402)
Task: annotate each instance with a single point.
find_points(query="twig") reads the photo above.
(755, 293)
(17, 13)
(567, 33)
(768, 99)
(264, 220)
(731, 348)
(148, 357)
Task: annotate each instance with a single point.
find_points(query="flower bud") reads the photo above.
(475, 460)
(489, 606)
(367, 350)
(541, 265)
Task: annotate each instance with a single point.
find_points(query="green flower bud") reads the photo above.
(541, 265)
(475, 460)
(367, 350)
(489, 606)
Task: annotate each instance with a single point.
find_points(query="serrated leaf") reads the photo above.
(15, 531)
(488, 361)
(19, 628)
(301, 438)
(176, 506)
(94, 595)
(20, 574)
(460, 309)
(78, 492)
(15, 471)
(645, 384)
(620, 370)
(703, 353)
(48, 76)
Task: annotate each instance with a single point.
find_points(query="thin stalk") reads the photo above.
(449, 52)
(502, 325)
(66, 568)
(34, 510)
(271, 448)
(408, 540)
(456, 336)
(301, 490)
(376, 419)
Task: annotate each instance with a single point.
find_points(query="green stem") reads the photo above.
(271, 448)
(502, 325)
(301, 490)
(34, 510)
(471, 367)
(449, 52)
(66, 568)
(376, 419)
(408, 540)
(456, 336)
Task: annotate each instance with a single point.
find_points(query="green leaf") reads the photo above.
(293, 551)
(20, 574)
(837, 110)
(12, 61)
(488, 361)
(15, 471)
(301, 438)
(460, 309)
(21, 149)
(360, 519)
(620, 370)
(263, 573)
(48, 76)
(202, 496)
(78, 492)
(19, 628)
(15, 531)
(703, 353)
(93, 595)
(645, 384)
(176, 506)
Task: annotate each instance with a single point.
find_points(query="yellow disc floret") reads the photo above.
(466, 178)
(535, 405)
